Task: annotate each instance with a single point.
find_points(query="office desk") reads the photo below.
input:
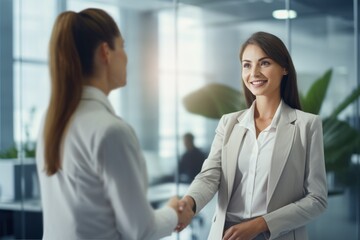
(21, 219)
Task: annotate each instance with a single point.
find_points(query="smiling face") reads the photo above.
(261, 75)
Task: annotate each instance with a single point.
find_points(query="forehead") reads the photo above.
(253, 51)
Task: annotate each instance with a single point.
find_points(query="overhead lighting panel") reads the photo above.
(284, 14)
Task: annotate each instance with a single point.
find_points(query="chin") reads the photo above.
(256, 93)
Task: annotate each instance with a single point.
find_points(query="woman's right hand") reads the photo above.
(183, 210)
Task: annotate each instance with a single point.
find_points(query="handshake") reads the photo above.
(183, 208)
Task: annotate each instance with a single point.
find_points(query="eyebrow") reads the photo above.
(260, 59)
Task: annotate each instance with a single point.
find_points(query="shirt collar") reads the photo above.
(275, 121)
(248, 120)
(93, 93)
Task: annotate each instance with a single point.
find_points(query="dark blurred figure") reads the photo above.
(191, 161)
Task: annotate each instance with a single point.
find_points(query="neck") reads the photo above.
(98, 82)
(265, 108)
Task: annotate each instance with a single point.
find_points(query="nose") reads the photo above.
(255, 71)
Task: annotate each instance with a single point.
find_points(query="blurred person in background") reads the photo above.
(192, 159)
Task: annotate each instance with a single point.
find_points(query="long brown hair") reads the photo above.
(275, 49)
(74, 39)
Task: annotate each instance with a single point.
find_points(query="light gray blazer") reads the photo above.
(297, 190)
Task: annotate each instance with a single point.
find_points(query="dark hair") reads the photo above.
(74, 39)
(275, 49)
(189, 136)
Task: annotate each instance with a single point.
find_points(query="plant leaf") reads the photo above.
(314, 98)
(348, 100)
(340, 142)
(11, 152)
(214, 100)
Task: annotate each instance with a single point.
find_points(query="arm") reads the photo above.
(123, 171)
(206, 183)
(314, 202)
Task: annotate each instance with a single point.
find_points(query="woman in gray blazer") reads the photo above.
(267, 162)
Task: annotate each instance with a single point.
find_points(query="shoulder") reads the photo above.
(234, 116)
(298, 116)
(307, 122)
(98, 123)
(116, 129)
(305, 117)
(228, 122)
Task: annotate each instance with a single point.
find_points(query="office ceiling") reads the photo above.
(238, 8)
(262, 9)
(223, 13)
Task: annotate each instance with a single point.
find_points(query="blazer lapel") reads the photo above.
(283, 143)
(232, 153)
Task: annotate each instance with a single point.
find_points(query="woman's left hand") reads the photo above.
(246, 230)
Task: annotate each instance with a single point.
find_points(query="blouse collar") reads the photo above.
(93, 93)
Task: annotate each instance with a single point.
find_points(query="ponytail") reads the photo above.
(66, 88)
(74, 38)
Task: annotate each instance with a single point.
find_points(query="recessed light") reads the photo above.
(284, 14)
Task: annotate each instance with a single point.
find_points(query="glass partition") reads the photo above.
(178, 52)
(326, 50)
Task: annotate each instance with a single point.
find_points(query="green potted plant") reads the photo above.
(13, 169)
(341, 140)
(17, 163)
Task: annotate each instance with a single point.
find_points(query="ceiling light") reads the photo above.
(284, 14)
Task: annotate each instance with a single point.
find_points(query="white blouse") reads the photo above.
(251, 179)
(100, 192)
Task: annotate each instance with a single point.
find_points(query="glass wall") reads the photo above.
(328, 46)
(177, 50)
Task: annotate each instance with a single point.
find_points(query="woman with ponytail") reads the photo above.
(91, 169)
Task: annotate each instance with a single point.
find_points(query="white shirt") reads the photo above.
(249, 193)
(100, 192)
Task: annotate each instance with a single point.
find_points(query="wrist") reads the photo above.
(191, 202)
(262, 225)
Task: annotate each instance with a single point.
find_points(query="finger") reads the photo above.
(182, 205)
(179, 227)
(227, 234)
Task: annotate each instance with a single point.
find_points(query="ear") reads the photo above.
(104, 52)
(285, 71)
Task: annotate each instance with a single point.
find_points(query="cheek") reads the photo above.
(277, 76)
(125, 58)
(244, 76)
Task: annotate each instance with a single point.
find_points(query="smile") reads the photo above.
(258, 83)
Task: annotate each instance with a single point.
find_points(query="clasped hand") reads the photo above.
(184, 211)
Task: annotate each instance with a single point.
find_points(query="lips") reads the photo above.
(258, 83)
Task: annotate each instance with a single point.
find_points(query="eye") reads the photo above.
(246, 65)
(264, 63)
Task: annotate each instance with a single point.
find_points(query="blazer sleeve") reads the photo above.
(314, 202)
(122, 169)
(206, 183)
